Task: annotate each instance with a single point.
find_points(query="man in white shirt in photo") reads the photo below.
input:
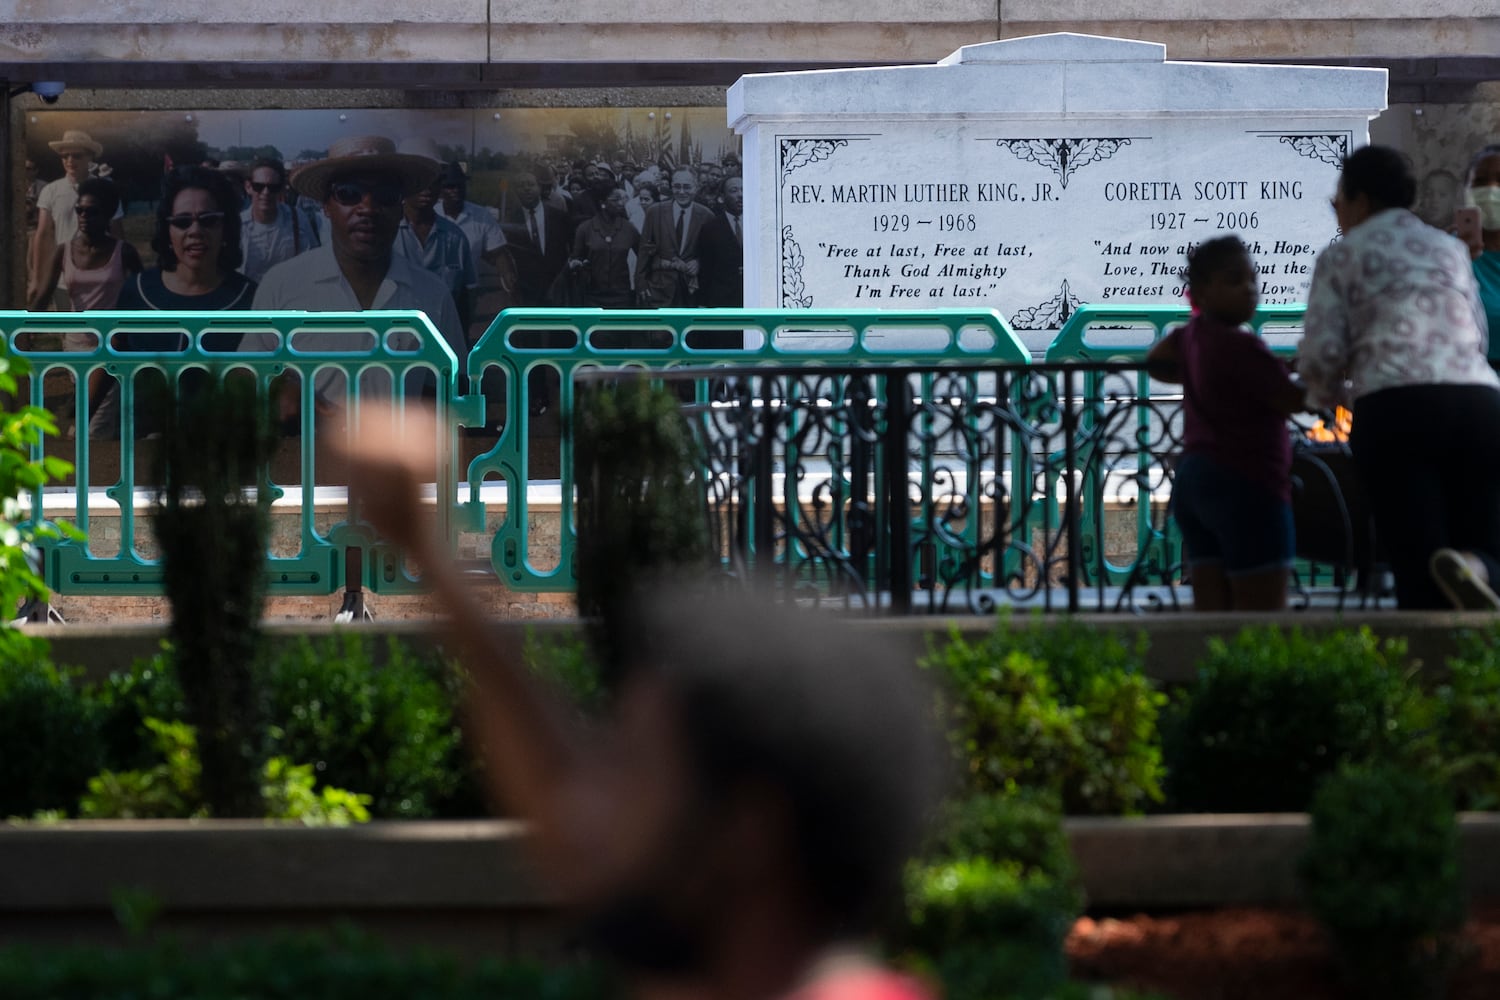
(270, 230)
(361, 185)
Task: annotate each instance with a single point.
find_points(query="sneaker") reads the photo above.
(1457, 579)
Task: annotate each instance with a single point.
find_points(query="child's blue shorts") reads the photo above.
(1228, 519)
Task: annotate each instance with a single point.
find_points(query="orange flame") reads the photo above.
(1343, 421)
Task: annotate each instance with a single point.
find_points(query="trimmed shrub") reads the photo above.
(1382, 875)
(172, 788)
(1459, 741)
(49, 733)
(148, 690)
(1058, 707)
(990, 906)
(379, 725)
(1273, 712)
(1025, 828)
(988, 929)
(386, 730)
(567, 661)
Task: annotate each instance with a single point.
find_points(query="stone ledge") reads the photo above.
(1169, 862)
(247, 869)
(247, 865)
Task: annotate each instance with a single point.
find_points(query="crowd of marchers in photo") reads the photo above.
(377, 225)
(363, 219)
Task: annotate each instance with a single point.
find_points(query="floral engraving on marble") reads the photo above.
(1330, 148)
(1063, 156)
(800, 152)
(793, 291)
(1049, 315)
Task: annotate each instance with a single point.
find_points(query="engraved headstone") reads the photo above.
(1036, 174)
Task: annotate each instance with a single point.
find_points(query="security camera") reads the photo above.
(49, 90)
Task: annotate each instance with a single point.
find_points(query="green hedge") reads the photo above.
(1051, 706)
(1382, 875)
(350, 721)
(1274, 711)
(50, 740)
(343, 966)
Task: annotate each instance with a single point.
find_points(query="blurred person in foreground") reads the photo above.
(1394, 324)
(736, 828)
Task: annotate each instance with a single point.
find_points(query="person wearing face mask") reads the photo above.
(1482, 197)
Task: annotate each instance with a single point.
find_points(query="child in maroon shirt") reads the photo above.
(1231, 492)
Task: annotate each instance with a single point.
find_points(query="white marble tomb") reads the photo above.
(1036, 174)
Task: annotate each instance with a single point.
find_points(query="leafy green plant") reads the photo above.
(387, 729)
(125, 700)
(989, 929)
(567, 661)
(990, 904)
(23, 469)
(1459, 725)
(167, 790)
(49, 739)
(289, 792)
(1272, 712)
(1024, 827)
(1382, 874)
(1057, 707)
(172, 788)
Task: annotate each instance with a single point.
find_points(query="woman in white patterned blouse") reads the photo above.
(1394, 325)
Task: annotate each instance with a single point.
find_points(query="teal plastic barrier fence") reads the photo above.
(337, 359)
(529, 355)
(540, 350)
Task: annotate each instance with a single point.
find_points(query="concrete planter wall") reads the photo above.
(1195, 861)
(469, 885)
(465, 886)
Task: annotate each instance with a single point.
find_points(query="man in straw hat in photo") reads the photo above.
(361, 184)
(56, 220)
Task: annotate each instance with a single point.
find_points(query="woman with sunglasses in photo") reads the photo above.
(197, 244)
(93, 263)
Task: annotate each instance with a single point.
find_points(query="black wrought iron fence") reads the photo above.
(951, 489)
